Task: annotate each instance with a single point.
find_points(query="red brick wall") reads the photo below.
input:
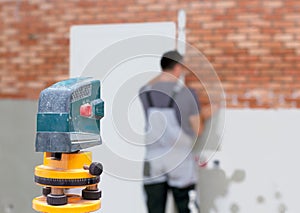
(253, 45)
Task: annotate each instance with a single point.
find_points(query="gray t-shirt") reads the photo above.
(186, 102)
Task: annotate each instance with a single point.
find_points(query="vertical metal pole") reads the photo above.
(181, 20)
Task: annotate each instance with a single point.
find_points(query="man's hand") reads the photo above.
(208, 110)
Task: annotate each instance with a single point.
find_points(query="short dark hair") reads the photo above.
(170, 59)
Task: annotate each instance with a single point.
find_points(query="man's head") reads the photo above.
(171, 62)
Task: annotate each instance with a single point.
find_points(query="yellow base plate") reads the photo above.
(75, 205)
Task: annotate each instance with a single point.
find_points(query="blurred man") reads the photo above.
(173, 122)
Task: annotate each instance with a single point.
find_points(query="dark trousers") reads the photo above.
(157, 197)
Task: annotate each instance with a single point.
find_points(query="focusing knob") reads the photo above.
(96, 169)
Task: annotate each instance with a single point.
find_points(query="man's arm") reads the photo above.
(198, 120)
(195, 114)
(196, 124)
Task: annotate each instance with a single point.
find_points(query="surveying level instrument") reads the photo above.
(68, 121)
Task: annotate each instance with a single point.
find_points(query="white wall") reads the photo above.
(259, 153)
(261, 144)
(264, 145)
(17, 156)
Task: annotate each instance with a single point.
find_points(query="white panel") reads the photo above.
(123, 64)
(89, 40)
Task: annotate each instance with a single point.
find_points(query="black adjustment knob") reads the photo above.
(96, 169)
(91, 194)
(57, 200)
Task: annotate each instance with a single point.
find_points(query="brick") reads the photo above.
(271, 58)
(36, 60)
(201, 4)
(212, 38)
(18, 60)
(292, 3)
(224, 31)
(217, 65)
(192, 39)
(10, 32)
(248, 30)
(247, 58)
(292, 17)
(282, 51)
(260, 37)
(199, 18)
(46, 6)
(248, 17)
(285, 65)
(236, 78)
(284, 24)
(272, 31)
(69, 16)
(260, 23)
(228, 86)
(9, 90)
(224, 17)
(36, 84)
(213, 51)
(3, 60)
(247, 44)
(8, 79)
(272, 3)
(87, 4)
(293, 58)
(283, 78)
(225, 4)
(291, 72)
(236, 24)
(235, 51)
(156, 7)
(234, 66)
(134, 8)
(271, 44)
(236, 37)
(253, 3)
(224, 44)
(224, 59)
(292, 44)
(202, 45)
(259, 65)
(212, 25)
